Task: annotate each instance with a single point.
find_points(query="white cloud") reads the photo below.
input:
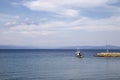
(64, 7)
(40, 5)
(50, 6)
(6, 17)
(8, 20)
(10, 23)
(53, 5)
(50, 29)
(82, 3)
(54, 27)
(106, 24)
(69, 12)
(67, 18)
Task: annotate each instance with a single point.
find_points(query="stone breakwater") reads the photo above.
(110, 54)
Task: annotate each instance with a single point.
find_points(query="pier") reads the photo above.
(108, 54)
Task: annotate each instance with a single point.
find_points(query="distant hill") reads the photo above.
(93, 47)
(69, 47)
(14, 47)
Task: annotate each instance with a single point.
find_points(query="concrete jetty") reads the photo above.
(108, 54)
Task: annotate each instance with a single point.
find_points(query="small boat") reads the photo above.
(77, 53)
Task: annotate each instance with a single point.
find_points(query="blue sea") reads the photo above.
(56, 64)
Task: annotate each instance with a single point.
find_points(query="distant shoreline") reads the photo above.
(59, 49)
(67, 47)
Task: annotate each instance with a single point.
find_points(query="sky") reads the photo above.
(55, 23)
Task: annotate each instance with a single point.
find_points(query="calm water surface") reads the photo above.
(57, 65)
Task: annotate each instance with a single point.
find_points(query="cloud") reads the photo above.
(105, 24)
(69, 12)
(83, 3)
(50, 6)
(10, 23)
(40, 5)
(30, 33)
(56, 21)
(58, 26)
(66, 7)
(47, 32)
(7, 20)
(7, 17)
(53, 5)
(44, 6)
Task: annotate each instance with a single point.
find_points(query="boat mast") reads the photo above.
(107, 48)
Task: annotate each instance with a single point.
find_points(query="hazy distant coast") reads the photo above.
(67, 47)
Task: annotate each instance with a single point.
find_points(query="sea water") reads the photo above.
(56, 64)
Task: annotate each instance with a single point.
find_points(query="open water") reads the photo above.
(57, 65)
